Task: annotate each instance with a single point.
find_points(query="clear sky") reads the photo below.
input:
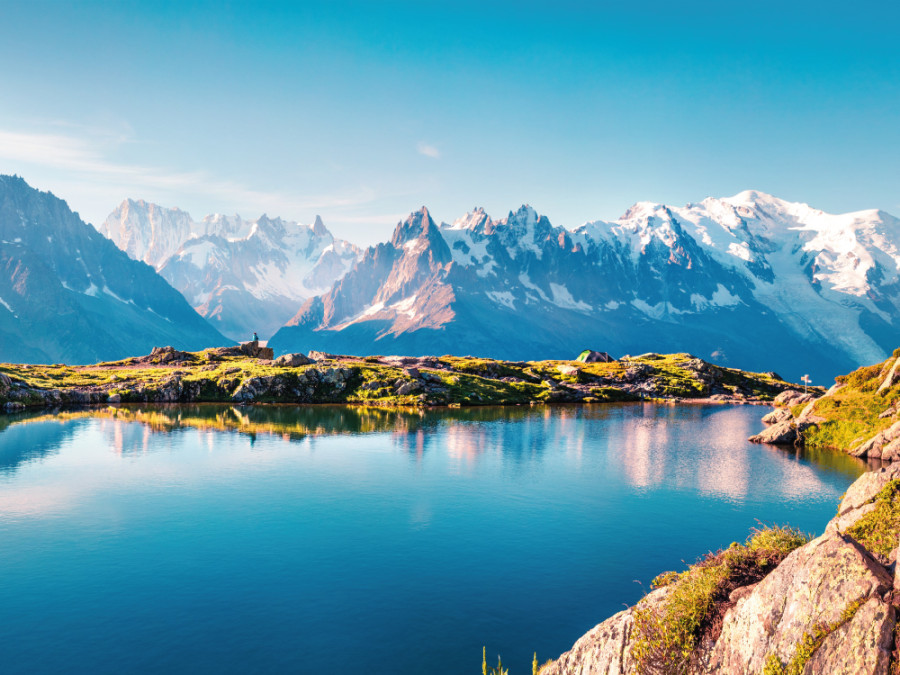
(364, 111)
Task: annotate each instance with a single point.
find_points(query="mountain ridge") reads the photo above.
(69, 294)
(810, 284)
(244, 276)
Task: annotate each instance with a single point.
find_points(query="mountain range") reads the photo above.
(749, 280)
(69, 294)
(242, 275)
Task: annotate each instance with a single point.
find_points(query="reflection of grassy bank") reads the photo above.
(289, 421)
(826, 458)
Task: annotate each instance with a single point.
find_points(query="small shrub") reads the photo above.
(666, 637)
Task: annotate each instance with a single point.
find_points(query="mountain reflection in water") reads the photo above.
(640, 438)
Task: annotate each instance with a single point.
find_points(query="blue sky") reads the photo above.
(364, 111)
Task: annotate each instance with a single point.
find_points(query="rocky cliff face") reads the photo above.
(243, 276)
(828, 607)
(68, 294)
(751, 281)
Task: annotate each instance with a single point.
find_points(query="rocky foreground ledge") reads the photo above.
(859, 415)
(774, 605)
(229, 374)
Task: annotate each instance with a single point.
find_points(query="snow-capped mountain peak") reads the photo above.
(245, 275)
(736, 279)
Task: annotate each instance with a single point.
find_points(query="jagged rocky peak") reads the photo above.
(244, 275)
(418, 223)
(147, 231)
(476, 221)
(817, 289)
(319, 228)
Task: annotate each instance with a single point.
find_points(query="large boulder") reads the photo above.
(777, 415)
(831, 586)
(791, 397)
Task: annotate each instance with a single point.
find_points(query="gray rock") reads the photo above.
(874, 447)
(791, 397)
(293, 360)
(808, 415)
(811, 587)
(837, 386)
(322, 356)
(860, 646)
(408, 388)
(568, 371)
(866, 487)
(782, 433)
(777, 415)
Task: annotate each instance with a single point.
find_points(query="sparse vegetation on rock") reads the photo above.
(228, 374)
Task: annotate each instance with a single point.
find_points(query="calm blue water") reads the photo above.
(366, 541)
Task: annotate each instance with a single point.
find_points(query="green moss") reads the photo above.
(667, 636)
(879, 529)
(809, 644)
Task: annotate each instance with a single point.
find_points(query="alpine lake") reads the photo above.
(331, 539)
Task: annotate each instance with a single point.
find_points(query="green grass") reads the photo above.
(456, 381)
(851, 413)
(666, 636)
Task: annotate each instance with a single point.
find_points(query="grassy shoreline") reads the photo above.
(221, 375)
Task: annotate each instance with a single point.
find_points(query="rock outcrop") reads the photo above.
(826, 608)
(884, 445)
(293, 360)
(787, 432)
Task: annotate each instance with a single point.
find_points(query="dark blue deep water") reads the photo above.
(212, 539)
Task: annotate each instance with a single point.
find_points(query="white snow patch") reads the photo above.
(6, 304)
(658, 311)
(563, 298)
(741, 251)
(526, 282)
(113, 295)
(405, 306)
(373, 309)
(723, 297)
(502, 297)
